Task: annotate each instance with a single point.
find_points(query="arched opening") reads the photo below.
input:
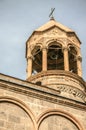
(55, 57)
(37, 60)
(72, 59)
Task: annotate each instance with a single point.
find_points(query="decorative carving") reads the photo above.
(41, 40)
(74, 40)
(33, 91)
(55, 31)
(30, 57)
(70, 90)
(65, 48)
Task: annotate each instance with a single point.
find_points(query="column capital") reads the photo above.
(79, 58)
(30, 57)
(44, 48)
(65, 48)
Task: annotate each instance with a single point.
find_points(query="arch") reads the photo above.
(61, 113)
(54, 43)
(76, 48)
(72, 45)
(55, 56)
(31, 47)
(36, 48)
(22, 105)
(57, 41)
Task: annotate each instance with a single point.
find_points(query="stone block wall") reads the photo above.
(23, 112)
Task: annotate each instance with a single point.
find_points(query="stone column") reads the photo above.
(44, 59)
(66, 59)
(79, 67)
(29, 66)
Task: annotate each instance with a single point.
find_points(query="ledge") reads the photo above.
(44, 93)
(59, 73)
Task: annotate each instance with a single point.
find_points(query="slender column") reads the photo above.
(29, 66)
(44, 59)
(66, 59)
(79, 67)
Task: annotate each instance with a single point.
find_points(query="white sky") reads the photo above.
(19, 18)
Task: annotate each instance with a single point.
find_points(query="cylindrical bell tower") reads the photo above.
(54, 60)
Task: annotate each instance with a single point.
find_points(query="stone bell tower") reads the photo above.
(54, 60)
(53, 97)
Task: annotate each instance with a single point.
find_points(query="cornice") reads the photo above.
(59, 73)
(41, 92)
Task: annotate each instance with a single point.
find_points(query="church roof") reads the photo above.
(52, 23)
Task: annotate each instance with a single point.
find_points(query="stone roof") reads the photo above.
(52, 23)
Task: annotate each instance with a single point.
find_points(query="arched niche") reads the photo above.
(72, 59)
(58, 120)
(14, 115)
(55, 59)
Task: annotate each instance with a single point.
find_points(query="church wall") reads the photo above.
(20, 111)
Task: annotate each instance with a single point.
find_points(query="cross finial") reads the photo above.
(51, 13)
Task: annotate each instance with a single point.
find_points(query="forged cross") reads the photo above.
(51, 14)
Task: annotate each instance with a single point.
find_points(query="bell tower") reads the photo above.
(54, 59)
(53, 97)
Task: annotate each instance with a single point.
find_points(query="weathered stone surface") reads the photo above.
(1, 123)
(13, 118)
(16, 117)
(3, 115)
(57, 122)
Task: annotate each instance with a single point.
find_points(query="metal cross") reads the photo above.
(51, 14)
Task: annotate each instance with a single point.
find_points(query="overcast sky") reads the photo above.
(19, 18)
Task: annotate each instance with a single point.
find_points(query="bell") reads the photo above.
(53, 55)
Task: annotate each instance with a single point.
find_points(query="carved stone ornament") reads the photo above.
(74, 40)
(55, 31)
(73, 91)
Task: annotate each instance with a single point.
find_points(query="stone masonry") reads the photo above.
(27, 106)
